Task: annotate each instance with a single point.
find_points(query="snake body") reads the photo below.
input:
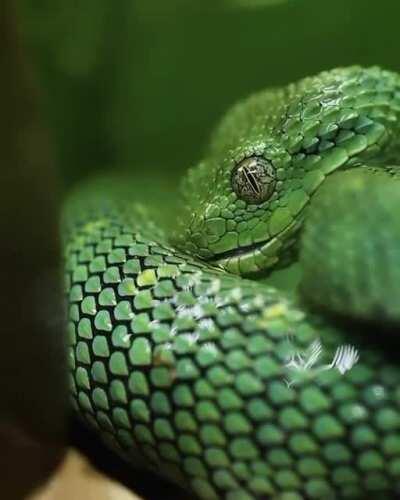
(220, 382)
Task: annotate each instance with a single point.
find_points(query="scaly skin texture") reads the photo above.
(220, 383)
(335, 277)
(306, 131)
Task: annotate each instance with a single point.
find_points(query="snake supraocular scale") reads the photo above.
(220, 382)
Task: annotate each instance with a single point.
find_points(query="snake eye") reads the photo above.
(253, 180)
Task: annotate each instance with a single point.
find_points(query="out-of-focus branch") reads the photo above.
(32, 386)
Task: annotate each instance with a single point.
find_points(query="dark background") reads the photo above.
(141, 83)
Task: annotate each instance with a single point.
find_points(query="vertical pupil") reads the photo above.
(252, 180)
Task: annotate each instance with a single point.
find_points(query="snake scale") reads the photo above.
(187, 364)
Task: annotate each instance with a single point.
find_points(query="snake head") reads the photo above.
(242, 211)
(245, 204)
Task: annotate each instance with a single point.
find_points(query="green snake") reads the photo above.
(187, 355)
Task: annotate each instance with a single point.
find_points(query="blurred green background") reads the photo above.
(141, 83)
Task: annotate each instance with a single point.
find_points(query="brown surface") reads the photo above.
(77, 479)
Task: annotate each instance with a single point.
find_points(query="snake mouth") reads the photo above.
(261, 255)
(240, 251)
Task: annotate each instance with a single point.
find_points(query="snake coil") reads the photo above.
(222, 383)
